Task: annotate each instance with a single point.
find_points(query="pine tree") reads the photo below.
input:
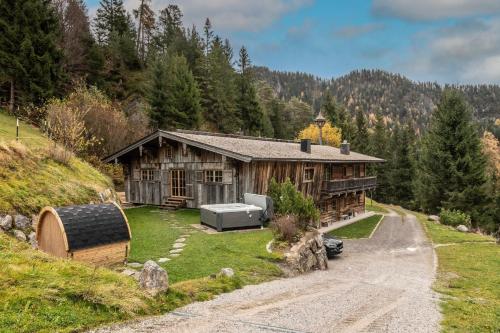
(330, 109)
(378, 147)
(360, 141)
(173, 94)
(451, 166)
(247, 103)
(219, 92)
(345, 124)
(209, 34)
(170, 38)
(401, 167)
(111, 19)
(75, 40)
(30, 59)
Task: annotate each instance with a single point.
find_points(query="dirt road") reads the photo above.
(380, 284)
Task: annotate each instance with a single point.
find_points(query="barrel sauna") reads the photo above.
(97, 234)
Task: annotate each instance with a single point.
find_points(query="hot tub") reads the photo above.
(231, 216)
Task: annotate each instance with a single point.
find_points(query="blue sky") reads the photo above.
(448, 41)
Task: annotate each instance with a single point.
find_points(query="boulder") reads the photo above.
(153, 278)
(34, 221)
(227, 272)
(32, 240)
(462, 228)
(6, 222)
(307, 254)
(22, 222)
(434, 218)
(20, 235)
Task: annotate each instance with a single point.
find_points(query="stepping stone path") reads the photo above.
(179, 243)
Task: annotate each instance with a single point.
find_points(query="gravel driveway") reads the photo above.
(380, 284)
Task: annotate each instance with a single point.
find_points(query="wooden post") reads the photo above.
(17, 129)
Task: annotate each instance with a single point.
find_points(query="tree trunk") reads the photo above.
(11, 101)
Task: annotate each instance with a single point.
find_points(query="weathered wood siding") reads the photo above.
(255, 176)
(176, 156)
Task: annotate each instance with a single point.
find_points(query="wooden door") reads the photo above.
(178, 183)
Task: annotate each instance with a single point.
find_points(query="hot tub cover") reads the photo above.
(232, 207)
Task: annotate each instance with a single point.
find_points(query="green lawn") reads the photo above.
(360, 229)
(154, 232)
(468, 277)
(372, 205)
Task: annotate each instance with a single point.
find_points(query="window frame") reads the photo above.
(213, 176)
(148, 175)
(307, 172)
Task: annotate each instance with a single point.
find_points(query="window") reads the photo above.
(356, 171)
(328, 172)
(213, 176)
(308, 174)
(169, 152)
(148, 175)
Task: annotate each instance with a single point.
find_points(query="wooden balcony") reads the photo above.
(349, 185)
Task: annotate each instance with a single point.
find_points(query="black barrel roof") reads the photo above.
(93, 225)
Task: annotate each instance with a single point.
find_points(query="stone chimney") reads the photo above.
(344, 148)
(305, 145)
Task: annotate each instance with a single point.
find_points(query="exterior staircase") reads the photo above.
(174, 203)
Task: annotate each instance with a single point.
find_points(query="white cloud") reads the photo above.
(230, 15)
(423, 10)
(465, 52)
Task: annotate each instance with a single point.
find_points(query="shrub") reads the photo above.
(454, 218)
(288, 201)
(285, 228)
(59, 154)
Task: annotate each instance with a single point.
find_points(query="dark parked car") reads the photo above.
(333, 245)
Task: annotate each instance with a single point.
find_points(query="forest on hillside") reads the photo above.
(395, 96)
(146, 64)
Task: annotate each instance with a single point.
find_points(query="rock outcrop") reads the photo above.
(307, 254)
(22, 222)
(462, 228)
(153, 278)
(6, 222)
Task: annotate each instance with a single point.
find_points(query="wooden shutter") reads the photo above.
(199, 176)
(136, 174)
(156, 175)
(227, 176)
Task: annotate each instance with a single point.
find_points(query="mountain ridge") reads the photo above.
(397, 97)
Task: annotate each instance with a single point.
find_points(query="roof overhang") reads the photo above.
(172, 136)
(244, 158)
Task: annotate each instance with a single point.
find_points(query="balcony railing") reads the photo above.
(342, 185)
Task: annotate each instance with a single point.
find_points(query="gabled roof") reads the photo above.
(247, 149)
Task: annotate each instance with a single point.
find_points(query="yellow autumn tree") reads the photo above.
(331, 134)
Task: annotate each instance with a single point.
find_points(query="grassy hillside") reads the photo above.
(44, 294)
(32, 176)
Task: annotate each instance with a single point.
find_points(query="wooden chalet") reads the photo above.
(187, 168)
